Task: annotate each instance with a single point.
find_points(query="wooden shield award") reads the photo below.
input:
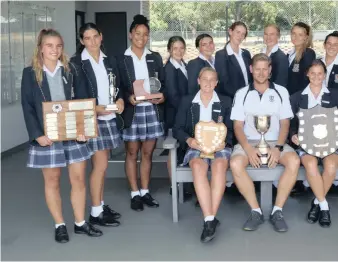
(210, 135)
(318, 130)
(66, 120)
(141, 94)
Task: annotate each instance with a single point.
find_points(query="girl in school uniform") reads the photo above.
(279, 60)
(142, 119)
(232, 63)
(300, 57)
(205, 45)
(206, 106)
(176, 83)
(331, 59)
(51, 78)
(316, 93)
(97, 69)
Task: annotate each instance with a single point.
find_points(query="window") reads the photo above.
(20, 26)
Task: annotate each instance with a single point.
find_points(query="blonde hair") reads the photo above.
(308, 43)
(207, 69)
(37, 60)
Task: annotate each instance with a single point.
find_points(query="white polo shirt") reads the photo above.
(141, 70)
(52, 74)
(211, 63)
(312, 101)
(180, 66)
(274, 101)
(273, 50)
(240, 60)
(329, 68)
(205, 112)
(102, 81)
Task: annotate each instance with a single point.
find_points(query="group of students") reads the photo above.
(229, 88)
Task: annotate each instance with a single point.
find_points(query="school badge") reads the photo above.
(318, 130)
(335, 78)
(295, 68)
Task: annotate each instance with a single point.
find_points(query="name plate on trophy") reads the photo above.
(210, 135)
(66, 120)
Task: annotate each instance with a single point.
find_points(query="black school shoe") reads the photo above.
(313, 215)
(105, 219)
(148, 200)
(136, 203)
(114, 214)
(209, 230)
(61, 234)
(324, 219)
(88, 229)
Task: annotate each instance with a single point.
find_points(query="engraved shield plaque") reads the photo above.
(66, 120)
(318, 130)
(210, 135)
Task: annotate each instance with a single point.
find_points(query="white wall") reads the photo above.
(81, 6)
(13, 128)
(131, 7)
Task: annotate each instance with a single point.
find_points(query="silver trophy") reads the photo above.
(155, 86)
(113, 91)
(262, 125)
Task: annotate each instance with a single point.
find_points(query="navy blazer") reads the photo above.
(127, 76)
(32, 96)
(189, 116)
(193, 68)
(176, 85)
(299, 101)
(89, 90)
(230, 76)
(298, 80)
(280, 68)
(333, 79)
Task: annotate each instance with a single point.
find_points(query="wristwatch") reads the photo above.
(280, 147)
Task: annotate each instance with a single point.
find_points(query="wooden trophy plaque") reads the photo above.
(66, 120)
(210, 135)
(141, 94)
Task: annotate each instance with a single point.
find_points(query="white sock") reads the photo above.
(257, 210)
(228, 184)
(135, 193)
(305, 183)
(102, 202)
(275, 208)
(81, 223)
(324, 205)
(209, 218)
(61, 224)
(144, 191)
(96, 211)
(316, 202)
(275, 183)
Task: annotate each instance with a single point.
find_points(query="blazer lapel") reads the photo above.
(67, 80)
(247, 64)
(151, 64)
(130, 70)
(195, 114)
(216, 112)
(89, 72)
(44, 87)
(304, 101)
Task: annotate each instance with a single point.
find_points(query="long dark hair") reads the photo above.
(82, 30)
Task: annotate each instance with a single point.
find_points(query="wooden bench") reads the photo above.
(264, 175)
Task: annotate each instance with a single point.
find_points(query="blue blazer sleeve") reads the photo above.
(281, 70)
(181, 119)
(193, 69)
(79, 82)
(227, 104)
(28, 106)
(171, 83)
(221, 69)
(294, 101)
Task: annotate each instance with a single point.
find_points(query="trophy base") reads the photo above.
(209, 156)
(111, 107)
(149, 97)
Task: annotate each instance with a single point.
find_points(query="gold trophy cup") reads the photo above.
(262, 125)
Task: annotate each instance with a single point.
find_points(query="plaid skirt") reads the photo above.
(59, 154)
(145, 125)
(108, 136)
(302, 153)
(193, 153)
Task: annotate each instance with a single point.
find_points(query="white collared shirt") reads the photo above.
(179, 66)
(52, 74)
(312, 101)
(292, 55)
(102, 81)
(211, 63)
(329, 68)
(240, 60)
(205, 112)
(273, 50)
(274, 101)
(141, 70)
